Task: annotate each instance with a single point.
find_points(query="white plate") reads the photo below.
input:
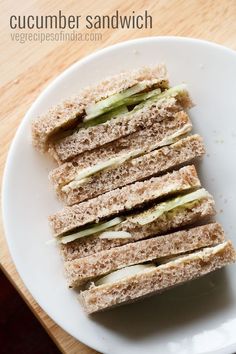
(199, 317)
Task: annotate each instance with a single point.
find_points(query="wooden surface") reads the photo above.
(27, 68)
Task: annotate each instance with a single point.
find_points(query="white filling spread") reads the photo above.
(114, 234)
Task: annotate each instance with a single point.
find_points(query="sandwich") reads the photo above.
(81, 270)
(71, 112)
(75, 184)
(195, 207)
(117, 107)
(120, 124)
(75, 218)
(134, 282)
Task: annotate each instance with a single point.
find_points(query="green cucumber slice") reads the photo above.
(90, 230)
(154, 213)
(113, 101)
(124, 273)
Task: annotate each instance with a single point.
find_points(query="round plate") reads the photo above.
(198, 317)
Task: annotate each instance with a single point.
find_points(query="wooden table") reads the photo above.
(28, 68)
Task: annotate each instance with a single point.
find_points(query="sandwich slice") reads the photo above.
(74, 185)
(134, 282)
(174, 213)
(121, 124)
(81, 270)
(73, 219)
(92, 103)
(158, 135)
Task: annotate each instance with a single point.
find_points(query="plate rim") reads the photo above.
(10, 158)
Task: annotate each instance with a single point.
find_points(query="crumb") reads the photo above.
(212, 284)
(135, 52)
(219, 141)
(16, 81)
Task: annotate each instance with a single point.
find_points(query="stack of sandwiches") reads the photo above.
(136, 219)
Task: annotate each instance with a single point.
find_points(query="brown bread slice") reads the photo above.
(68, 113)
(179, 217)
(81, 270)
(125, 198)
(151, 164)
(155, 280)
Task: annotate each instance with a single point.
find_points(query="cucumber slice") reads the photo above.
(90, 230)
(128, 97)
(154, 213)
(117, 111)
(113, 101)
(171, 139)
(140, 97)
(172, 92)
(104, 118)
(83, 175)
(124, 273)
